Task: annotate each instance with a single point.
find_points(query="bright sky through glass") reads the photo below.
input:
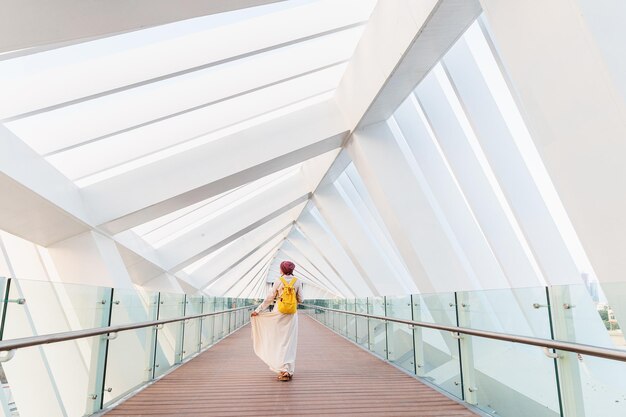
(106, 107)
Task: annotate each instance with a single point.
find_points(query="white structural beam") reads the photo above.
(196, 247)
(255, 284)
(210, 169)
(294, 248)
(455, 136)
(38, 203)
(305, 270)
(305, 245)
(401, 43)
(36, 23)
(426, 247)
(499, 145)
(244, 272)
(328, 246)
(466, 232)
(568, 92)
(90, 258)
(222, 261)
(267, 204)
(357, 242)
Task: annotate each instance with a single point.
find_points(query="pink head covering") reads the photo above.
(287, 267)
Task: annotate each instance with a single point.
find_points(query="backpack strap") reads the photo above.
(284, 281)
(293, 281)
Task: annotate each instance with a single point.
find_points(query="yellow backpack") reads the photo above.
(288, 303)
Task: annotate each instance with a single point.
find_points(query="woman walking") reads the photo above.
(275, 334)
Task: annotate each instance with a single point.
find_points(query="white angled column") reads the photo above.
(456, 140)
(505, 158)
(419, 234)
(568, 87)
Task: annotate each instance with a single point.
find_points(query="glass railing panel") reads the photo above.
(170, 336)
(130, 356)
(61, 374)
(520, 311)
(208, 306)
(220, 323)
(591, 315)
(362, 327)
(509, 379)
(493, 371)
(42, 307)
(377, 328)
(191, 336)
(320, 314)
(226, 317)
(342, 318)
(437, 352)
(400, 336)
(351, 320)
(330, 316)
(334, 315)
(64, 372)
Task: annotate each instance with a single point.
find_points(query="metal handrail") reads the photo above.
(8, 345)
(607, 353)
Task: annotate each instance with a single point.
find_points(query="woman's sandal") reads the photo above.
(284, 376)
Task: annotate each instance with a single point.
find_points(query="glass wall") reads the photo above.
(80, 377)
(500, 378)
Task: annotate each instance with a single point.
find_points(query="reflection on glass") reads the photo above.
(351, 320)
(437, 352)
(400, 336)
(60, 372)
(377, 328)
(130, 354)
(362, 326)
(493, 381)
(191, 343)
(170, 337)
(589, 314)
(208, 306)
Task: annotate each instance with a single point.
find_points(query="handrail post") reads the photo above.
(568, 373)
(180, 335)
(153, 335)
(97, 364)
(418, 338)
(466, 351)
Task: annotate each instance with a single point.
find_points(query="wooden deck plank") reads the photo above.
(333, 378)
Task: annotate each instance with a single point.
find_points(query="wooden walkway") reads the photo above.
(333, 377)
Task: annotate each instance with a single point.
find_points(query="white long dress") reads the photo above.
(274, 334)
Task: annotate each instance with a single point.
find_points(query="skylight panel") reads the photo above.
(126, 167)
(161, 222)
(167, 228)
(78, 71)
(92, 120)
(256, 188)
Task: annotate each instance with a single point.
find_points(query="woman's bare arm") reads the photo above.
(270, 297)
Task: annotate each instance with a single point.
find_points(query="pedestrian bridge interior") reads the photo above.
(447, 175)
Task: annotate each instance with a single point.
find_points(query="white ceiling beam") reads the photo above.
(238, 276)
(311, 269)
(309, 251)
(301, 271)
(402, 41)
(41, 24)
(329, 245)
(38, 203)
(210, 169)
(256, 282)
(291, 209)
(271, 202)
(273, 241)
(236, 253)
